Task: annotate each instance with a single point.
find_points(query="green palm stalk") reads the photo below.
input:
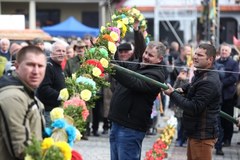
(163, 86)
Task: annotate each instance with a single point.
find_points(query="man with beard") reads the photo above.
(200, 101)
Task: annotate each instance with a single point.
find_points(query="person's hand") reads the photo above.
(169, 90)
(238, 119)
(179, 90)
(135, 25)
(182, 76)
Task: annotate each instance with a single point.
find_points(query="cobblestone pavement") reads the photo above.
(98, 148)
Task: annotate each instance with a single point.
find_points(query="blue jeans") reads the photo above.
(47, 118)
(125, 143)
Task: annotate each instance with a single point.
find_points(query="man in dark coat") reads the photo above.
(200, 101)
(132, 102)
(229, 81)
(53, 82)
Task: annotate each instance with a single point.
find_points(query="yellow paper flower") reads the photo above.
(143, 22)
(47, 143)
(112, 47)
(28, 157)
(124, 30)
(134, 11)
(78, 135)
(103, 28)
(104, 62)
(125, 20)
(86, 94)
(114, 16)
(141, 17)
(65, 149)
(96, 72)
(64, 94)
(56, 113)
(119, 24)
(114, 36)
(130, 19)
(74, 76)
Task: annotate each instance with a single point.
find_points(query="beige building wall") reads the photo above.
(66, 9)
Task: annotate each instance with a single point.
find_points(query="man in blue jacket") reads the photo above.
(229, 89)
(132, 101)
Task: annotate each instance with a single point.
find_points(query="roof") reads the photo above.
(26, 34)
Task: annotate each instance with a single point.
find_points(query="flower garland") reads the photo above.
(96, 60)
(161, 145)
(48, 149)
(82, 88)
(76, 108)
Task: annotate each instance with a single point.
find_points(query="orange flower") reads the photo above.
(107, 37)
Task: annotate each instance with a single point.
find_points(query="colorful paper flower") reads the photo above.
(112, 47)
(104, 62)
(47, 143)
(56, 113)
(76, 155)
(65, 149)
(64, 94)
(114, 36)
(96, 72)
(86, 95)
(78, 135)
(87, 81)
(103, 52)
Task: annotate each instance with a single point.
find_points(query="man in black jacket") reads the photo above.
(131, 103)
(53, 82)
(200, 101)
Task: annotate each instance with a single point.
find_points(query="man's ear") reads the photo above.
(16, 65)
(160, 59)
(211, 60)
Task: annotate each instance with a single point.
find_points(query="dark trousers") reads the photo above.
(227, 126)
(96, 115)
(218, 144)
(106, 124)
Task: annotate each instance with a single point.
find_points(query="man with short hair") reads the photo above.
(54, 81)
(39, 42)
(14, 49)
(229, 89)
(73, 64)
(4, 48)
(125, 52)
(131, 103)
(200, 101)
(21, 113)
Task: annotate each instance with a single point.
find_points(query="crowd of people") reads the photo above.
(204, 82)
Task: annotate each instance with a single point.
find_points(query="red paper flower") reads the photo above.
(97, 64)
(76, 155)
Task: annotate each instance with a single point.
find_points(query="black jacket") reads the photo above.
(131, 103)
(201, 105)
(51, 86)
(229, 80)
